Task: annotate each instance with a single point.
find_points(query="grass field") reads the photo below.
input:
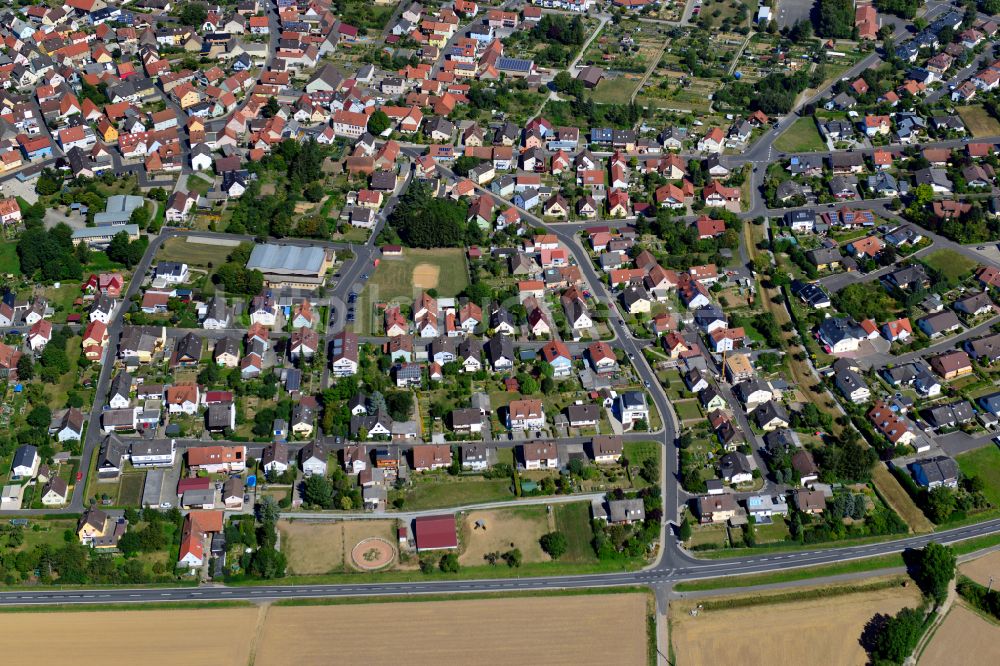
(573, 520)
(984, 463)
(567, 630)
(9, 263)
(952, 264)
(687, 409)
(827, 626)
(801, 137)
(965, 637)
(900, 501)
(615, 91)
(320, 547)
(193, 254)
(522, 527)
(130, 491)
(155, 637)
(443, 269)
(433, 494)
(979, 122)
(312, 548)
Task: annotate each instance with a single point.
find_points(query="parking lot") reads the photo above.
(792, 11)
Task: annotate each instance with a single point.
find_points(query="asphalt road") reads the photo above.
(676, 566)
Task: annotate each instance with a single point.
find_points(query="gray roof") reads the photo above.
(289, 258)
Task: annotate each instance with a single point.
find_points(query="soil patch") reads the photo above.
(522, 527)
(372, 554)
(425, 276)
(566, 630)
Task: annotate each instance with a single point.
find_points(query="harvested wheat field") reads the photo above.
(829, 626)
(312, 547)
(981, 568)
(426, 276)
(556, 630)
(964, 637)
(523, 527)
(152, 637)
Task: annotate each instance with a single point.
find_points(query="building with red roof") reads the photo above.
(435, 533)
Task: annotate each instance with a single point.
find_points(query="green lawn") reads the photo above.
(984, 463)
(688, 409)
(573, 520)
(9, 263)
(614, 91)
(130, 491)
(950, 263)
(801, 137)
(193, 254)
(979, 121)
(394, 277)
(198, 185)
(434, 494)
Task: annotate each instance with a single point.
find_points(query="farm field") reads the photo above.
(982, 568)
(829, 626)
(443, 269)
(481, 631)
(801, 137)
(965, 637)
(952, 264)
(979, 122)
(210, 636)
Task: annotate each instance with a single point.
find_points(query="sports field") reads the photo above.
(586, 629)
(443, 269)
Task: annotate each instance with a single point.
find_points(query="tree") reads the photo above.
(25, 368)
(193, 14)
(554, 543)
(314, 192)
(271, 108)
(685, 530)
(399, 405)
(140, 217)
(449, 563)
(897, 636)
(941, 503)
(424, 221)
(464, 164)
(268, 563)
(513, 557)
(40, 417)
(378, 122)
(935, 569)
(835, 18)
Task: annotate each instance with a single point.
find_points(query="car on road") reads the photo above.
(79, 476)
(621, 322)
(353, 297)
(365, 276)
(631, 356)
(647, 383)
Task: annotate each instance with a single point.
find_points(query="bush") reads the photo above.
(554, 543)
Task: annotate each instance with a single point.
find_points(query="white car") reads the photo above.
(165, 505)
